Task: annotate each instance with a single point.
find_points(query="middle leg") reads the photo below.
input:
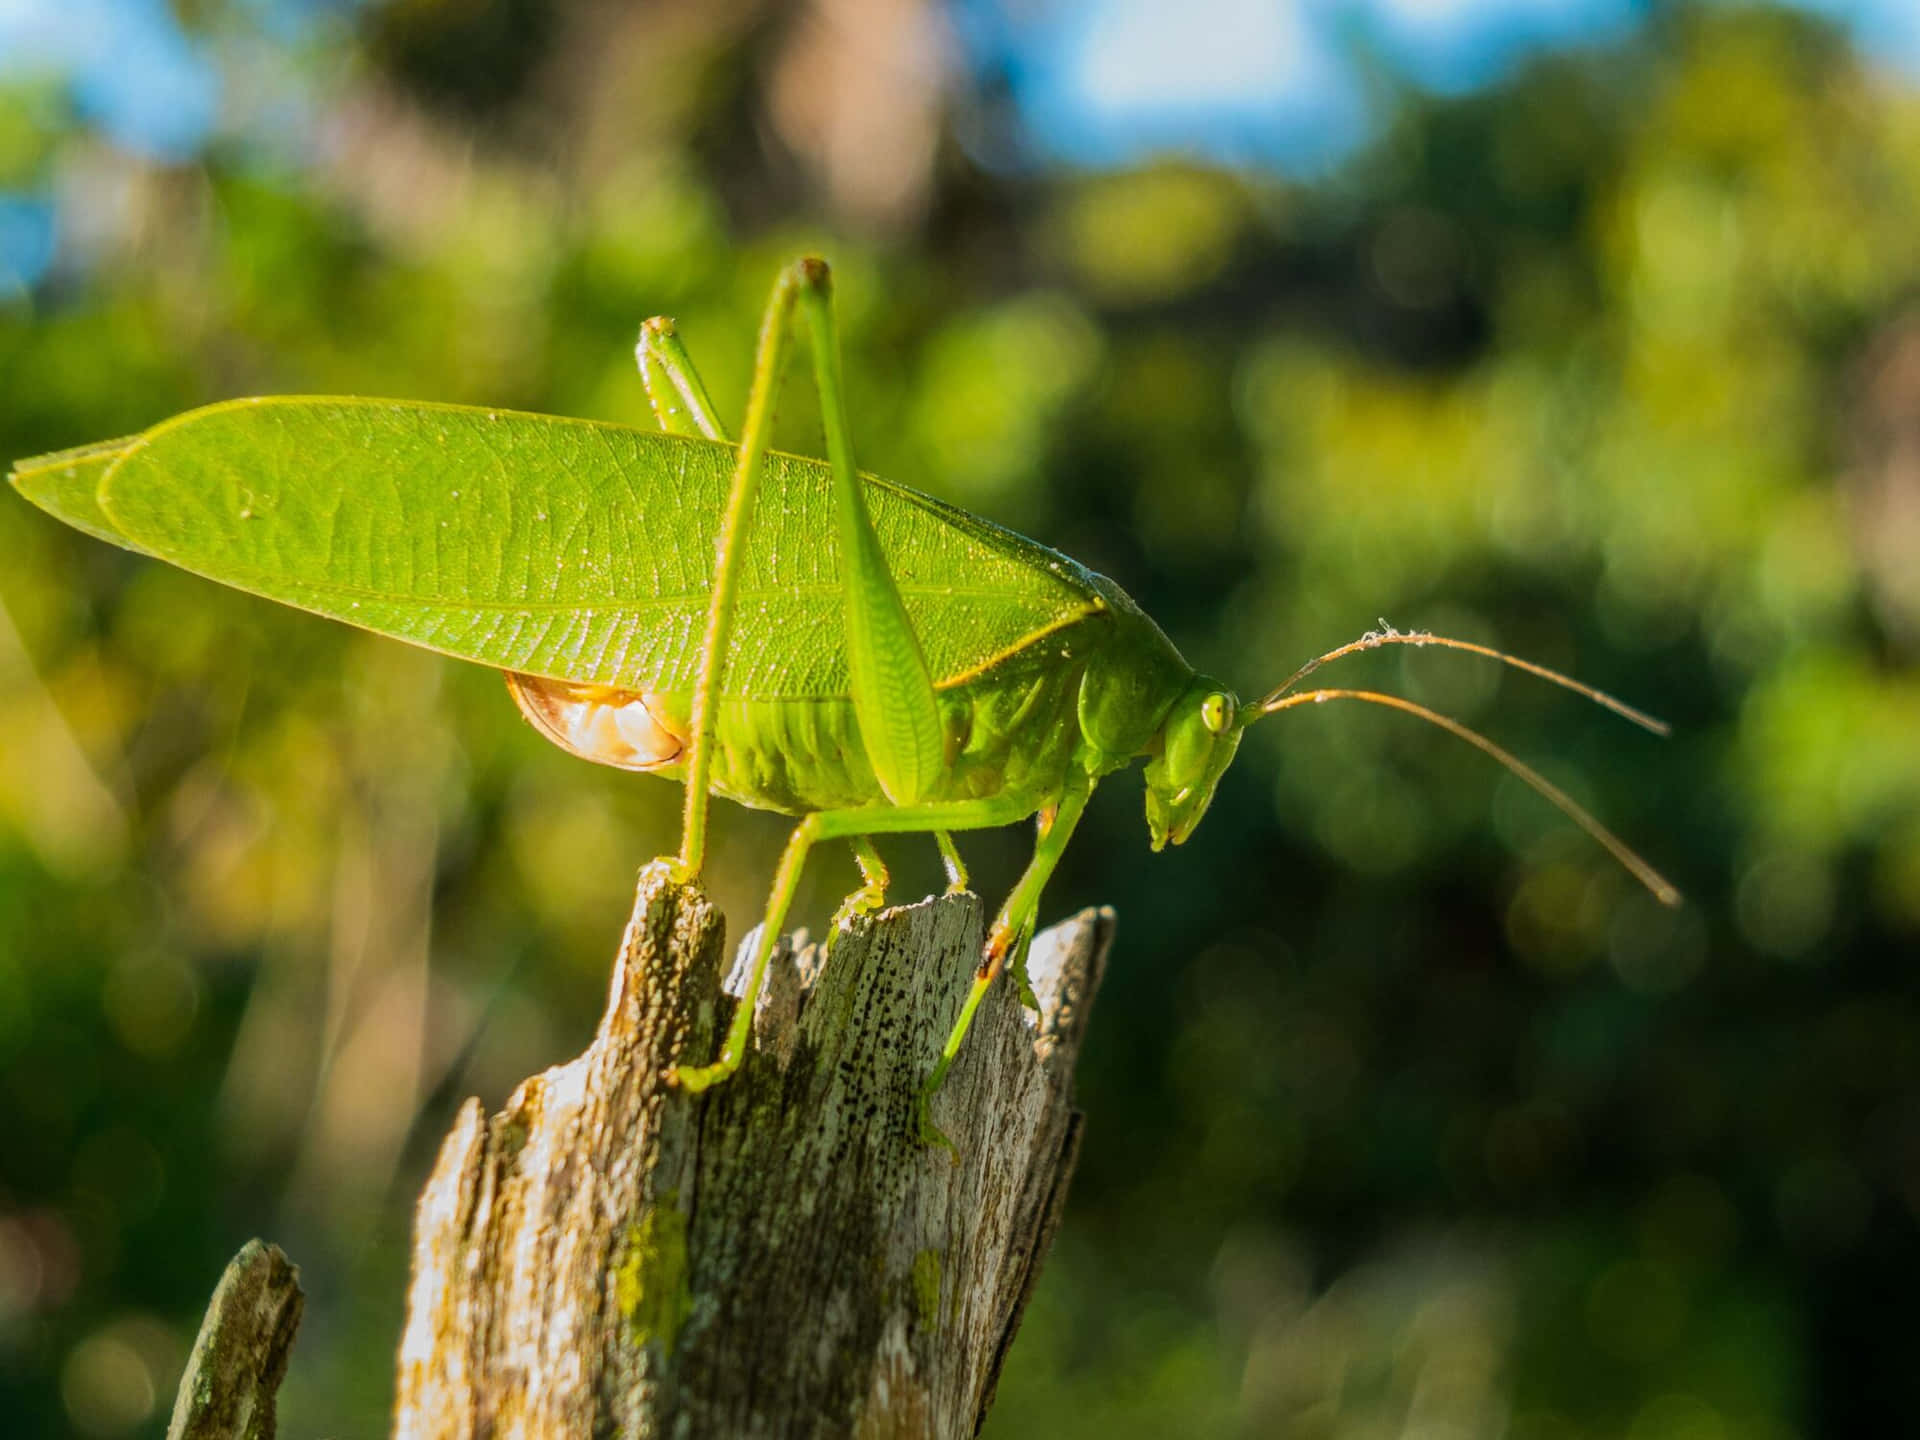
(950, 857)
(872, 893)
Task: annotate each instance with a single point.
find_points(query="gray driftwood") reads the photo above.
(234, 1373)
(780, 1256)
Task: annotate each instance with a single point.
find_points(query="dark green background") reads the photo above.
(1405, 1107)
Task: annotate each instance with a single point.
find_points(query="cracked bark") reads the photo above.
(779, 1256)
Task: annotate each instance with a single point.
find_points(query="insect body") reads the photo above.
(777, 630)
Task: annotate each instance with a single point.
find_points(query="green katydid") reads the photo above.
(845, 650)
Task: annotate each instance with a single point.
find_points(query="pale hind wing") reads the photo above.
(561, 548)
(621, 728)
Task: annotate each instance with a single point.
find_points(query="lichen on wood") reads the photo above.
(781, 1255)
(233, 1376)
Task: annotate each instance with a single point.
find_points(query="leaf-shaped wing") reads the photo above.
(566, 548)
(66, 484)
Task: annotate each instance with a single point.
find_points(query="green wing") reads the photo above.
(565, 548)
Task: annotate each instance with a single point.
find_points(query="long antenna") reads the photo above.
(1387, 635)
(1662, 889)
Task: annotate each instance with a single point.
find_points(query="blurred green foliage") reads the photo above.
(1407, 1112)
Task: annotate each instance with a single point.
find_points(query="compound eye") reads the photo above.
(1216, 712)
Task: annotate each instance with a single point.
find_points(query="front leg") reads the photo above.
(871, 895)
(674, 388)
(1015, 923)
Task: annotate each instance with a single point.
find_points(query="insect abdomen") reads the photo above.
(1009, 729)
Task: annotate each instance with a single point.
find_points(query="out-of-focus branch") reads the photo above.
(234, 1373)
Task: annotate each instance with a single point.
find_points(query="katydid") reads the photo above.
(787, 633)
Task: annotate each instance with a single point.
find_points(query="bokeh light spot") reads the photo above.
(1150, 235)
(1822, 1203)
(22, 1275)
(1784, 902)
(151, 999)
(1656, 948)
(1678, 1417)
(111, 1381)
(1549, 922)
(1635, 1310)
(1689, 1223)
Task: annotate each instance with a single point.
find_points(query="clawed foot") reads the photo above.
(1007, 950)
(695, 1078)
(931, 1135)
(865, 901)
(956, 868)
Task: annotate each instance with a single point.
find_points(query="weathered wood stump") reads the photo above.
(781, 1256)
